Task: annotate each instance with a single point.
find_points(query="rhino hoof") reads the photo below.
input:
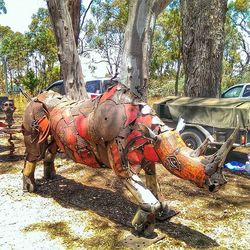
(28, 185)
(49, 171)
(165, 212)
(49, 175)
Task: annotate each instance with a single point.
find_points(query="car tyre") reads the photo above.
(193, 138)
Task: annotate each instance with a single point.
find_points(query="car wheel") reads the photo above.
(193, 138)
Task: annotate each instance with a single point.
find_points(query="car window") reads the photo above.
(246, 92)
(233, 92)
(108, 83)
(58, 87)
(93, 86)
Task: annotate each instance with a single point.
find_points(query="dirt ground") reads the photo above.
(84, 208)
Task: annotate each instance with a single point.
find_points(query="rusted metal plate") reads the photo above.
(136, 242)
(109, 119)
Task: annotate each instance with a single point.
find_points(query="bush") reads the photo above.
(164, 87)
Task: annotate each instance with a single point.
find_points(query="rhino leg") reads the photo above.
(144, 219)
(150, 175)
(28, 177)
(49, 167)
(35, 140)
(144, 223)
(163, 212)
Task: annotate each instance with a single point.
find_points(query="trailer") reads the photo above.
(214, 118)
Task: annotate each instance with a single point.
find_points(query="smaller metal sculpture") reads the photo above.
(9, 109)
(116, 130)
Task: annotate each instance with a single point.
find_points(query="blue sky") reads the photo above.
(19, 13)
(18, 18)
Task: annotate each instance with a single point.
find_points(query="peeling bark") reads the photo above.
(67, 51)
(137, 43)
(203, 43)
(74, 7)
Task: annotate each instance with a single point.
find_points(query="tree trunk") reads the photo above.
(137, 43)
(203, 43)
(67, 51)
(176, 88)
(74, 7)
(178, 66)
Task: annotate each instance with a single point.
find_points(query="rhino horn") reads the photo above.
(201, 149)
(220, 156)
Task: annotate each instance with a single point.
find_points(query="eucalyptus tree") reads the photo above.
(203, 43)
(237, 43)
(166, 57)
(136, 49)
(42, 47)
(104, 32)
(67, 49)
(14, 50)
(137, 43)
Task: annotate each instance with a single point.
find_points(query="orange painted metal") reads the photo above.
(176, 158)
(76, 132)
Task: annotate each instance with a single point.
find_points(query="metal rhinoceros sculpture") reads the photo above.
(118, 131)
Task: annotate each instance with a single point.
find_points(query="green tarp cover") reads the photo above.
(215, 112)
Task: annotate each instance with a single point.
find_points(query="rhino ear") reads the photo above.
(147, 132)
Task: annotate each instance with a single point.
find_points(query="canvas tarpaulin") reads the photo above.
(215, 112)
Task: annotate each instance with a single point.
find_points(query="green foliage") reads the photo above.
(162, 87)
(166, 43)
(242, 5)
(31, 57)
(2, 7)
(30, 81)
(14, 50)
(237, 48)
(166, 53)
(41, 36)
(42, 46)
(105, 31)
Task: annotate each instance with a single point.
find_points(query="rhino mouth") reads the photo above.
(215, 182)
(214, 164)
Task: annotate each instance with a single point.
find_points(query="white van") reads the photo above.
(94, 87)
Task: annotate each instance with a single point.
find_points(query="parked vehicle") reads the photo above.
(214, 118)
(94, 87)
(241, 90)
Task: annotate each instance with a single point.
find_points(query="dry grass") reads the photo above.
(206, 220)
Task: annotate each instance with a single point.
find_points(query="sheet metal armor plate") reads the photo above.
(83, 107)
(109, 120)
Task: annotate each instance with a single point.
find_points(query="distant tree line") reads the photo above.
(196, 49)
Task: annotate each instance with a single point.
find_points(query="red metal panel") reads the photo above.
(149, 153)
(108, 94)
(131, 113)
(81, 123)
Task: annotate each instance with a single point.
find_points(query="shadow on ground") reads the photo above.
(8, 152)
(114, 206)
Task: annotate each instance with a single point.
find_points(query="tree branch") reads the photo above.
(85, 14)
